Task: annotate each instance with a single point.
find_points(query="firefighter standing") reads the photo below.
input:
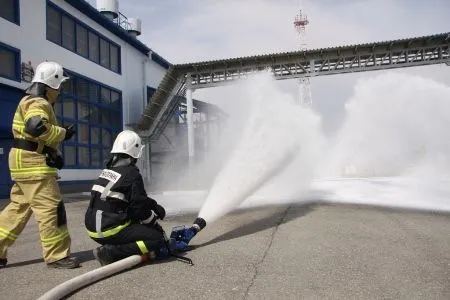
(121, 217)
(33, 162)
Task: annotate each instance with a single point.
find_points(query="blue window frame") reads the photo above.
(96, 112)
(10, 10)
(9, 62)
(68, 32)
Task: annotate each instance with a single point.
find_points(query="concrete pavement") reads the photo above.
(277, 252)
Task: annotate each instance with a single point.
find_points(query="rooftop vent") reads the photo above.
(134, 26)
(108, 8)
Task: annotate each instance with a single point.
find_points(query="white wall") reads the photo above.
(156, 73)
(30, 38)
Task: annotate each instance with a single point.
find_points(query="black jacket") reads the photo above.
(118, 197)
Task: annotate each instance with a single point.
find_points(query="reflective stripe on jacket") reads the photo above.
(109, 232)
(118, 199)
(28, 165)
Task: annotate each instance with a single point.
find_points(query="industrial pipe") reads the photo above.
(82, 280)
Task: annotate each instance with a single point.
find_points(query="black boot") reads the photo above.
(68, 262)
(3, 262)
(101, 254)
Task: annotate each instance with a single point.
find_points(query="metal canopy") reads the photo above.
(418, 51)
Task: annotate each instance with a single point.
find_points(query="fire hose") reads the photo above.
(179, 234)
(82, 280)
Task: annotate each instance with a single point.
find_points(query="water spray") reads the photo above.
(181, 235)
(275, 132)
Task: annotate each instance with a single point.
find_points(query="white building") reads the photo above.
(111, 72)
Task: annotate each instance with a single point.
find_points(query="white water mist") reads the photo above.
(392, 149)
(276, 131)
(395, 122)
(396, 128)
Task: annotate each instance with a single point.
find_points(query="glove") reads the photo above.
(183, 233)
(54, 159)
(160, 211)
(69, 132)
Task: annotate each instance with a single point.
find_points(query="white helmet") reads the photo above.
(50, 73)
(128, 142)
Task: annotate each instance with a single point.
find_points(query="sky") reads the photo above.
(185, 31)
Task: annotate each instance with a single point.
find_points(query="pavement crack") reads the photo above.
(266, 251)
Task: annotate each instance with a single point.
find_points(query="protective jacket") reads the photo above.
(34, 123)
(118, 199)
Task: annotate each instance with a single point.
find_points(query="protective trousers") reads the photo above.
(43, 198)
(134, 239)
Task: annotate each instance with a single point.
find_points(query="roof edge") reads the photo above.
(311, 50)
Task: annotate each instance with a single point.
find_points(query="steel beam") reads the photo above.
(418, 51)
(330, 64)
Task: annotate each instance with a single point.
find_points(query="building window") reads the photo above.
(68, 110)
(114, 55)
(10, 10)
(94, 90)
(82, 40)
(9, 62)
(96, 111)
(82, 89)
(68, 32)
(95, 136)
(53, 25)
(94, 51)
(115, 100)
(69, 155)
(104, 53)
(83, 157)
(96, 158)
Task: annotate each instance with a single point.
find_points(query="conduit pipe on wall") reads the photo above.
(147, 149)
(85, 279)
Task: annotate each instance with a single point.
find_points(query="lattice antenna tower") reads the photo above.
(300, 22)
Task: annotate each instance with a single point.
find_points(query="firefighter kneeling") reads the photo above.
(121, 217)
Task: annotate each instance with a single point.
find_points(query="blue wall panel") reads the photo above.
(9, 98)
(5, 179)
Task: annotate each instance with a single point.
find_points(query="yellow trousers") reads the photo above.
(41, 197)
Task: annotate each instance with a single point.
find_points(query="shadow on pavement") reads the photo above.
(292, 212)
(83, 256)
(25, 263)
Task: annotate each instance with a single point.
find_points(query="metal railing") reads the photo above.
(418, 51)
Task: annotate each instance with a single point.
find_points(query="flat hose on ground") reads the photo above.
(90, 277)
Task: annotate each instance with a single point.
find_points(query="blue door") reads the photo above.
(9, 98)
(5, 178)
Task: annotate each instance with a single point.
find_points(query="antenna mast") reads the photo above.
(300, 23)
